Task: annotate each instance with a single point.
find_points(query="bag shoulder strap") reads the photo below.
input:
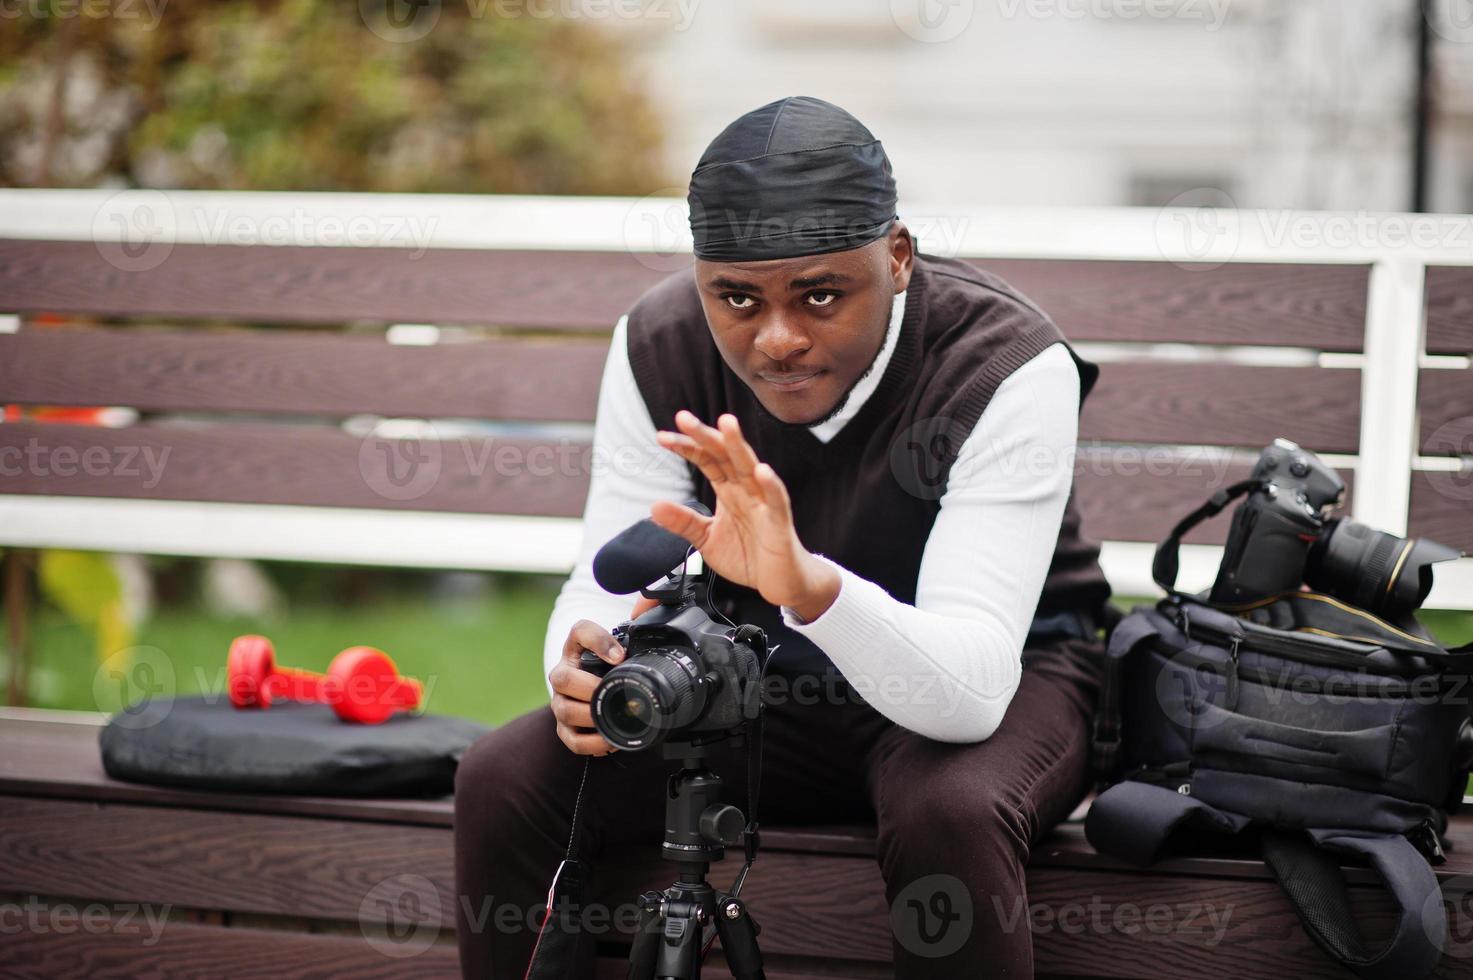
(1125, 635)
(1311, 878)
(1133, 820)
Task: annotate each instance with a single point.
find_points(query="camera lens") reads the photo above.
(1375, 570)
(647, 697)
(628, 712)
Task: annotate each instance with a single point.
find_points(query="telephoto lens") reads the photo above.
(1378, 571)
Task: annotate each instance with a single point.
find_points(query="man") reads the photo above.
(886, 443)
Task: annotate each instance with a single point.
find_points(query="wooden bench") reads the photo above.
(281, 378)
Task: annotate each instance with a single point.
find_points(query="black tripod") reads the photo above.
(674, 925)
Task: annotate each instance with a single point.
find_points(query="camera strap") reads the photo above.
(554, 957)
(1167, 561)
(751, 837)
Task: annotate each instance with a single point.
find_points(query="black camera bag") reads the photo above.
(1317, 726)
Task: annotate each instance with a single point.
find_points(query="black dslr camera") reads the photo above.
(685, 676)
(1283, 534)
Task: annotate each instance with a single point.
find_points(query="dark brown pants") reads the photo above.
(955, 822)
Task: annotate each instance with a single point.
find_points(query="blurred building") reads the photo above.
(1265, 103)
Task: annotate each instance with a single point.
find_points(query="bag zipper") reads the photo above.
(1298, 650)
(1431, 843)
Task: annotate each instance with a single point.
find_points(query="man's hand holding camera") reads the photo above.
(749, 540)
(572, 687)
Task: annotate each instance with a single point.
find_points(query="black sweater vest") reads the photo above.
(868, 498)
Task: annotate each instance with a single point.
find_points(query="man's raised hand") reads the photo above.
(750, 539)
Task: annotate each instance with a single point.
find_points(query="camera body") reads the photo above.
(685, 676)
(1272, 531)
(1284, 535)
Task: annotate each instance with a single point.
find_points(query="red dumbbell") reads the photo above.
(361, 684)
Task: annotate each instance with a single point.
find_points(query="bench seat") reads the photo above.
(261, 885)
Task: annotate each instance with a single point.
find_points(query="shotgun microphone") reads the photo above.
(640, 554)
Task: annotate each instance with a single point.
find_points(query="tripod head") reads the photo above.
(698, 826)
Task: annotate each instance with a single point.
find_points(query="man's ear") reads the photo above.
(902, 255)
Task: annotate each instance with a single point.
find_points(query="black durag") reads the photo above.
(799, 176)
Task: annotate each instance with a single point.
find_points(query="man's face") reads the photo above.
(801, 332)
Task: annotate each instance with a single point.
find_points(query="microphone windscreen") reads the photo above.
(640, 554)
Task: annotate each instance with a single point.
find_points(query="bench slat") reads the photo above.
(1445, 410)
(1322, 307)
(1317, 306)
(1449, 310)
(306, 464)
(1442, 508)
(187, 950)
(303, 373)
(292, 284)
(1122, 493)
(1123, 496)
(1224, 405)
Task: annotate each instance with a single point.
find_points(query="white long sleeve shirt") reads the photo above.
(945, 667)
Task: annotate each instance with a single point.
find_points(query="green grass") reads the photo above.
(479, 658)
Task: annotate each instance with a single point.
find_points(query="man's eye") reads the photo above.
(822, 298)
(739, 302)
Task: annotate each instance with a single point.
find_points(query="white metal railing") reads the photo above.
(1397, 247)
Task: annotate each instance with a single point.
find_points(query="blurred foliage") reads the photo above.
(85, 586)
(302, 95)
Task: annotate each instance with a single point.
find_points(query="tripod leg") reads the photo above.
(668, 944)
(738, 932)
(647, 939)
(678, 956)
